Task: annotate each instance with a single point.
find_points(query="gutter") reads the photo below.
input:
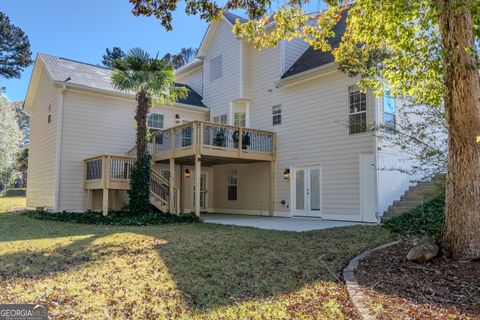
(58, 151)
(118, 94)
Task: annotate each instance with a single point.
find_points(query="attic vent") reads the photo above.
(215, 68)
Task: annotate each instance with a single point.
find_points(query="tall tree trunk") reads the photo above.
(461, 237)
(144, 103)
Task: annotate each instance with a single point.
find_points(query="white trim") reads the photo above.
(58, 151)
(247, 114)
(192, 189)
(240, 72)
(121, 96)
(230, 114)
(189, 66)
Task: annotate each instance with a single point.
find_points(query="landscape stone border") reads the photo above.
(354, 289)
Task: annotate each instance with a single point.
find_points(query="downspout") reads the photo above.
(58, 153)
(377, 158)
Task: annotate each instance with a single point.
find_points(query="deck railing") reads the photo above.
(133, 151)
(114, 172)
(214, 136)
(108, 171)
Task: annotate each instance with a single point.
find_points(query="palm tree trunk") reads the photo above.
(461, 238)
(144, 104)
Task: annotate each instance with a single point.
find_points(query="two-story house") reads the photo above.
(280, 131)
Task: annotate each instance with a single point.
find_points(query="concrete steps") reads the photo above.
(416, 195)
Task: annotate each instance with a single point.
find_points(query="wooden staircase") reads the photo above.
(416, 195)
(113, 172)
(160, 193)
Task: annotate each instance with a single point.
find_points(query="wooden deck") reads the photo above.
(215, 143)
(197, 143)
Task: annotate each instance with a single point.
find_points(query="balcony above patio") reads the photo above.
(214, 143)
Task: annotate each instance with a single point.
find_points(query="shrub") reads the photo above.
(425, 220)
(123, 217)
(19, 192)
(139, 193)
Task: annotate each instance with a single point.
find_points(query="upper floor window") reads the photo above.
(222, 119)
(239, 119)
(357, 116)
(277, 114)
(215, 68)
(155, 122)
(389, 111)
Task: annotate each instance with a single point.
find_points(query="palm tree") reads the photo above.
(152, 80)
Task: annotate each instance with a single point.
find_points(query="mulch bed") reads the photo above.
(399, 289)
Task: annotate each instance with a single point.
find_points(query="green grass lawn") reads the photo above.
(189, 271)
(12, 203)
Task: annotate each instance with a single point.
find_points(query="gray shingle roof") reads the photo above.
(233, 17)
(312, 58)
(95, 77)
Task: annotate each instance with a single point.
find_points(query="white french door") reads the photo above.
(203, 191)
(307, 191)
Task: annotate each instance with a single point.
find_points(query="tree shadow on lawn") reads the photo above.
(218, 266)
(212, 265)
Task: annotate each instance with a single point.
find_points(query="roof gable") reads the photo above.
(312, 58)
(229, 18)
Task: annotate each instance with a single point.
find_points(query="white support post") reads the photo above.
(105, 202)
(89, 199)
(198, 168)
(171, 203)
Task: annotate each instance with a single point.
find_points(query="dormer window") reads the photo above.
(215, 68)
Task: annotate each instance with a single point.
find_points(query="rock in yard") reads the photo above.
(423, 252)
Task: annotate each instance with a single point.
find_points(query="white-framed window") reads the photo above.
(389, 112)
(232, 185)
(357, 110)
(277, 114)
(239, 119)
(222, 119)
(215, 68)
(155, 122)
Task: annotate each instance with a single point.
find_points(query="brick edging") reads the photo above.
(354, 289)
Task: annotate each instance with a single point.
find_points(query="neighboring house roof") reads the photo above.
(95, 77)
(312, 58)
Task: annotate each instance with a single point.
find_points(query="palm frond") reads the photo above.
(138, 71)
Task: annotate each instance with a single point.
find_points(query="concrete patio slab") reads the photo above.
(297, 224)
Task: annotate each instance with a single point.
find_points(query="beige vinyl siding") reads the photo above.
(97, 124)
(41, 162)
(193, 78)
(293, 49)
(253, 189)
(313, 132)
(220, 92)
